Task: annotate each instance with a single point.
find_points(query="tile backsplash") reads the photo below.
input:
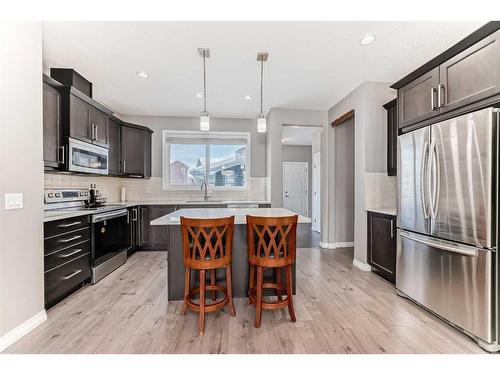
(151, 190)
(380, 190)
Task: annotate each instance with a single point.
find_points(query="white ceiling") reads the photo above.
(298, 135)
(312, 65)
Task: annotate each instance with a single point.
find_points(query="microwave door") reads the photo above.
(460, 181)
(413, 207)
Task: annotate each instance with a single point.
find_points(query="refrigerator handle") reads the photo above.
(423, 195)
(459, 249)
(431, 182)
(435, 199)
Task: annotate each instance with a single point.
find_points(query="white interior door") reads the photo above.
(316, 199)
(295, 181)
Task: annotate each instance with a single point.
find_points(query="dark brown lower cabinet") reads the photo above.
(382, 245)
(66, 257)
(153, 237)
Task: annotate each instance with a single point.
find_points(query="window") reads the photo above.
(219, 158)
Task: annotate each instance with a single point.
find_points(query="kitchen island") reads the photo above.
(239, 263)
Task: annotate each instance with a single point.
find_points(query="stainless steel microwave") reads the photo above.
(87, 158)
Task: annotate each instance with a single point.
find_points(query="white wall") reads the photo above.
(21, 171)
(370, 155)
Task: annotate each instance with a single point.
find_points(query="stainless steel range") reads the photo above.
(110, 227)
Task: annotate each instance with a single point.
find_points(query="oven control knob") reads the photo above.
(86, 193)
(50, 195)
(58, 195)
(82, 194)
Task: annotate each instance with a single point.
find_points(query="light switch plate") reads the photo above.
(13, 201)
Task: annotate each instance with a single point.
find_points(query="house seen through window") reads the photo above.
(220, 159)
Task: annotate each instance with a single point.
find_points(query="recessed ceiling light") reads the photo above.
(367, 39)
(143, 75)
(247, 97)
(198, 95)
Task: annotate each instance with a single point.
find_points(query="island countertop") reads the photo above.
(212, 213)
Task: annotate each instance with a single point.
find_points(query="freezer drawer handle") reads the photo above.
(459, 250)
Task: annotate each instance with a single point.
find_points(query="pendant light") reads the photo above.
(261, 119)
(204, 117)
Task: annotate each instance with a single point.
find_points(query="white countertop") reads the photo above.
(212, 213)
(383, 210)
(59, 214)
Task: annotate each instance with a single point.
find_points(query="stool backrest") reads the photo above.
(207, 243)
(271, 240)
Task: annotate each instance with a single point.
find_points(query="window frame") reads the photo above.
(190, 134)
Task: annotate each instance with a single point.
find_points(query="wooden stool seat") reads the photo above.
(207, 246)
(271, 244)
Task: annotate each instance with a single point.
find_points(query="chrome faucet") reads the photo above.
(206, 196)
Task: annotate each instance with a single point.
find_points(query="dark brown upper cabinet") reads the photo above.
(146, 139)
(471, 75)
(132, 151)
(392, 137)
(464, 78)
(79, 119)
(114, 150)
(418, 99)
(98, 122)
(87, 123)
(53, 150)
(382, 245)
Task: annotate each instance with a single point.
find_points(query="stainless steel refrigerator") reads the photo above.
(447, 220)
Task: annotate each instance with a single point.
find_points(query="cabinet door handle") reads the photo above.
(441, 89)
(95, 136)
(70, 224)
(71, 275)
(124, 166)
(71, 239)
(433, 94)
(134, 217)
(76, 251)
(392, 228)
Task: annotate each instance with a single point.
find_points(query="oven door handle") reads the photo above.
(108, 215)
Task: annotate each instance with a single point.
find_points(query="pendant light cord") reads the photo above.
(204, 82)
(261, 83)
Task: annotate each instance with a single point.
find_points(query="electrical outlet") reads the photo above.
(13, 201)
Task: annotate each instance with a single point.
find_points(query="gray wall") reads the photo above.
(21, 171)
(370, 156)
(301, 153)
(344, 181)
(160, 123)
(276, 118)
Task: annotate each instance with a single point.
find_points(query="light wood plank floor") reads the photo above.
(339, 308)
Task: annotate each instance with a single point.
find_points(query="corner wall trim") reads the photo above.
(335, 245)
(361, 265)
(16, 333)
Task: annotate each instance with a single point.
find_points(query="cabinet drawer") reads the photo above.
(54, 228)
(59, 257)
(66, 240)
(61, 279)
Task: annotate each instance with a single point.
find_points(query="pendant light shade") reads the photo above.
(261, 124)
(261, 119)
(204, 121)
(204, 117)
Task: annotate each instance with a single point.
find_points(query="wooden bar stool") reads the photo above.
(207, 245)
(271, 244)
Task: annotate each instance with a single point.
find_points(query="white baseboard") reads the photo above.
(361, 265)
(15, 334)
(335, 245)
